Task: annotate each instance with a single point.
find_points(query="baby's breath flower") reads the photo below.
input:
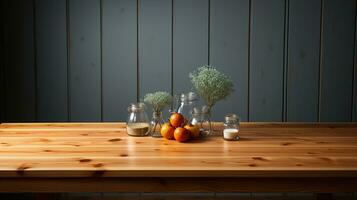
(211, 84)
(159, 100)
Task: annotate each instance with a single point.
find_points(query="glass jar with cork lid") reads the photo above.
(138, 122)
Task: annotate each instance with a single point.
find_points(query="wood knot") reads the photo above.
(138, 142)
(252, 165)
(298, 164)
(98, 165)
(5, 144)
(85, 160)
(84, 134)
(114, 140)
(47, 150)
(123, 155)
(311, 153)
(325, 159)
(286, 143)
(44, 140)
(260, 158)
(21, 169)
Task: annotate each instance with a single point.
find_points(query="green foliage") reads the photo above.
(159, 100)
(211, 84)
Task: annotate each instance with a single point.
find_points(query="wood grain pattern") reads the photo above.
(105, 150)
(173, 184)
(101, 157)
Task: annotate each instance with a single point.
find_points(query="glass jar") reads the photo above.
(201, 118)
(156, 123)
(187, 103)
(138, 123)
(231, 127)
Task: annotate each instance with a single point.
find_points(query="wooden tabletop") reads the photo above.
(105, 150)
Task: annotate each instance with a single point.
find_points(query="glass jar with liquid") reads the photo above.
(138, 123)
(231, 127)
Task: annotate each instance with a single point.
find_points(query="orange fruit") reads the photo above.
(181, 134)
(194, 130)
(177, 120)
(167, 131)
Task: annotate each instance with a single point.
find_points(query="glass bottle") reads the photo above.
(231, 127)
(187, 104)
(176, 101)
(201, 118)
(156, 123)
(138, 123)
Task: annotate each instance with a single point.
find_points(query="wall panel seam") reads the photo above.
(209, 34)
(285, 61)
(101, 56)
(320, 59)
(5, 60)
(35, 58)
(68, 62)
(249, 57)
(172, 52)
(137, 53)
(353, 110)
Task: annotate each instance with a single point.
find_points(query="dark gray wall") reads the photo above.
(86, 60)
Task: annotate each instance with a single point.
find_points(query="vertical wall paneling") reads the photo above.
(19, 45)
(266, 60)
(337, 60)
(154, 46)
(229, 52)
(190, 40)
(85, 60)
(51, 41)
(119, 58)
(303, 60)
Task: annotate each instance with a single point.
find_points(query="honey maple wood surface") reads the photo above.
(105, 150)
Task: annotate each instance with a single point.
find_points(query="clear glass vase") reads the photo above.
(156, 124)
(201, 118)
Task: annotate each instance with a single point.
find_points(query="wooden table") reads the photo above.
(101, 157)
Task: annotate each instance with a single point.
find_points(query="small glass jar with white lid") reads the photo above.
(231, 127)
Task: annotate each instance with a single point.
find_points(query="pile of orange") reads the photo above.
(177, 128)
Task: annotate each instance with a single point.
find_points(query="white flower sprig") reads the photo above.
(159, 100)
(211, 84)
